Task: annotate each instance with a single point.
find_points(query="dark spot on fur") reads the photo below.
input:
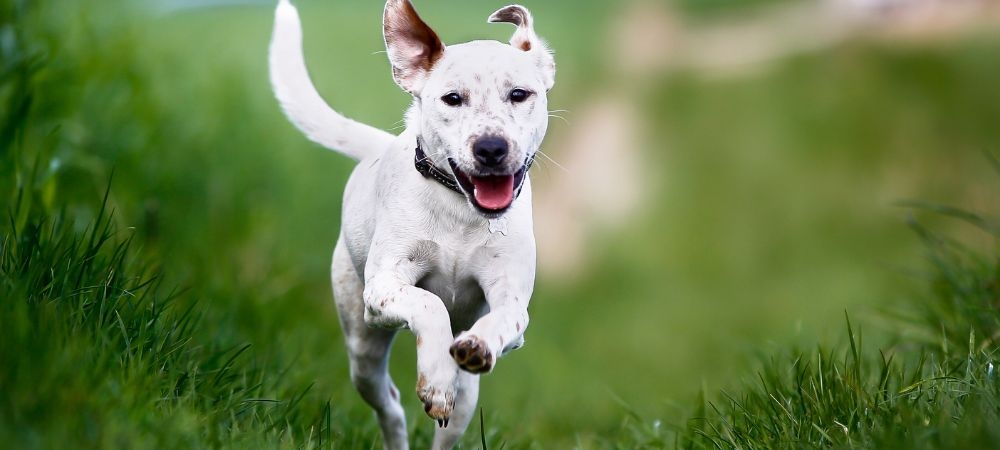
(512, 14)
(422, 251)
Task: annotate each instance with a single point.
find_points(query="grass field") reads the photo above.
(164, 261)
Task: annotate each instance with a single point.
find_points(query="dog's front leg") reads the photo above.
(392, 301)
(499, 331)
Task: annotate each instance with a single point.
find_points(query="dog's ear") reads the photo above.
(524, 38)
(413, 47)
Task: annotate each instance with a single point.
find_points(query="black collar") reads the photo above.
(429, 170)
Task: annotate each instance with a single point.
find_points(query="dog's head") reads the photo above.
(480, 106)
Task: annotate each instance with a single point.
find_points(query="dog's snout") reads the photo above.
(490, 151)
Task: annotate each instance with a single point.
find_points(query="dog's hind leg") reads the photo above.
(370, 374)
(465, 408)
(368, 349)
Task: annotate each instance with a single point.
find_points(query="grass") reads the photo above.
(166, 239)
(98, 354)
(931, 382)
(95, 350)
(937, 391)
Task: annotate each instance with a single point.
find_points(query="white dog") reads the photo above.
(437, 230)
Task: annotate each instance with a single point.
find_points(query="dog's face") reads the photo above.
(484, 109)
(482, 105)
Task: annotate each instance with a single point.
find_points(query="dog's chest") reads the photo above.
(451, 276)
(454, 288)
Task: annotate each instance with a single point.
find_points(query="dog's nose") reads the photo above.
(490, 151)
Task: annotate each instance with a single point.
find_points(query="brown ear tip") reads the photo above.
(515, 14)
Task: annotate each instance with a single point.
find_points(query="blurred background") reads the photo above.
(723, 177)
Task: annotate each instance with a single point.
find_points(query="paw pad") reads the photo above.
(472, 355)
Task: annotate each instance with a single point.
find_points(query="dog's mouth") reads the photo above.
(489, 194)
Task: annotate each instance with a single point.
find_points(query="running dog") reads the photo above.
(436, 234)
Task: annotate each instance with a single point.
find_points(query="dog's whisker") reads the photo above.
(424, 159)
(398, 125)
(435, 153)
(555, 113)
(552, 161)
(560, 118)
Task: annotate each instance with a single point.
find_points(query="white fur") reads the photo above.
(412, 253)
(303, 105)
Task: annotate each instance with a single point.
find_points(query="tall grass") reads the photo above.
(96, 351)
(933, 385)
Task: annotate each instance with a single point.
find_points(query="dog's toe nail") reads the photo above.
(427, 408)
(446, 423)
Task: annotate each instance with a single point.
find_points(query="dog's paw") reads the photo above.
(472, 354)
(439, 401)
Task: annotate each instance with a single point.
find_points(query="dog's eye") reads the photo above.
(518, 95)
(452, 99)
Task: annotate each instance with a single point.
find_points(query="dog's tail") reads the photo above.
(303, 105)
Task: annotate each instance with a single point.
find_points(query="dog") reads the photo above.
(436, 235)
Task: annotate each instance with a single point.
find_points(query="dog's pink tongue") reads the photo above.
(494, 192)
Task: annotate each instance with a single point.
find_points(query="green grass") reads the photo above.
(935, 387)
(167, 234)
(936, 393)
(95, 350)
(930, 382)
